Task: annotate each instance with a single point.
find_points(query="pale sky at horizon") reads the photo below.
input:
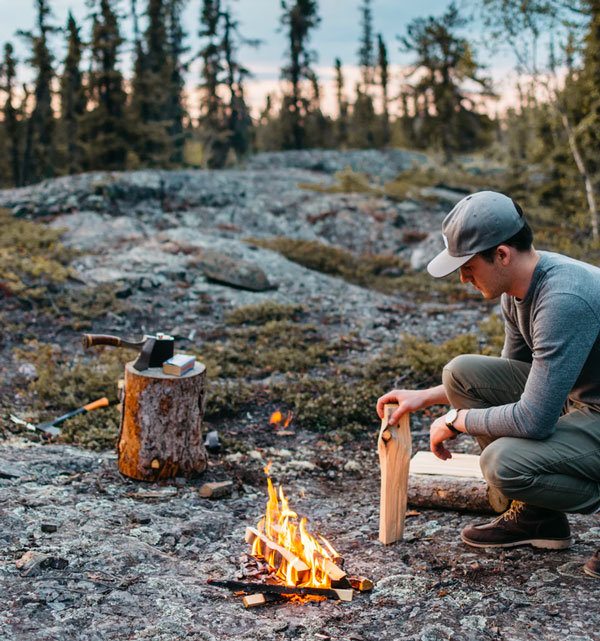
(337, 36)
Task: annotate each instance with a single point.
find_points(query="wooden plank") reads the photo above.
(301, 571)
(465, 465)
(394, 447)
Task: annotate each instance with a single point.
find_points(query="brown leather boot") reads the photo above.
(522, 524)
(592, 566)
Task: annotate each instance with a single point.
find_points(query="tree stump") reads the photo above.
(161, 424)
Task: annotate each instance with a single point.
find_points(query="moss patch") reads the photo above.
(348, 181)
(31, 257)
(263, 312)
(64, 384)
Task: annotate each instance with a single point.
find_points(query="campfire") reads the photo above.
(286, 561)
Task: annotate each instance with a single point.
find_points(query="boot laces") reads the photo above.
(512, 514)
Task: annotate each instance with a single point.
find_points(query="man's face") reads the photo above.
(488, 278)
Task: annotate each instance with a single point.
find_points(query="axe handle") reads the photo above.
(105, 339)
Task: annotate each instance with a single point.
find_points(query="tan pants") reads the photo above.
(561, 472)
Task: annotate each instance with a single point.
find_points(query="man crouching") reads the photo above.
(535, 411)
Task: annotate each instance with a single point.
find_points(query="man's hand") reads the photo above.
(410, 401)
(440, 432)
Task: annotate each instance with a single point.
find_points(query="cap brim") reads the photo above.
(444, 264)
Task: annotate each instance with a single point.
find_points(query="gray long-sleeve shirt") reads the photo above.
(556, 328)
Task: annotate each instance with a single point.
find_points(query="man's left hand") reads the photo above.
(438, 433)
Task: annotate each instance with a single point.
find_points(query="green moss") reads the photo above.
(493, 330)
(263, 312)
(276, 346)
(381, 272)
(228, 398)
(89, 303)
(330, 404)
(349, 181)
(64, 384)
(31, 258)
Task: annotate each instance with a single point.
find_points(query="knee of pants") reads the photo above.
(455, 376)
(499, 467)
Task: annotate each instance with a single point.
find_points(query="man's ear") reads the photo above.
(504, 253)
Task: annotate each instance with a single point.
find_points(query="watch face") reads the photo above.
(451, 416)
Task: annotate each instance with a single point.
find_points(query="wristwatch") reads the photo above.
(449, 419)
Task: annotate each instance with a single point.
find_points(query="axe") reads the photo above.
(154, 350)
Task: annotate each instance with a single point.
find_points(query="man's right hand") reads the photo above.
(408, 401)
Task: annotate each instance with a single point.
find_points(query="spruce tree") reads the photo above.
(447, 62)
(72, 99)
(150, 91)
(104, 129)
(38, 158)
(383, 81)
(175, 107)
(342, 105)
(212, 116)
(366, 55)
(11, 125)
(299, 17)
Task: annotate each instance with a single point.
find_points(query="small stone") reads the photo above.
(49, 527)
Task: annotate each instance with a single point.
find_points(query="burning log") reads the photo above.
(269, 588)
(277, 555)
(394, 447)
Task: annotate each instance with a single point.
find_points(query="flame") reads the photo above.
(288, 420)
(275, 418)
(280, 525)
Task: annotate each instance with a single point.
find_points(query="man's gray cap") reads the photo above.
(478, 222)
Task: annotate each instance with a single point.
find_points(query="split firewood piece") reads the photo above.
(282, 555)
(271, 588)
(394, 447)
(256, 600)
(216, 490)
(361, 583)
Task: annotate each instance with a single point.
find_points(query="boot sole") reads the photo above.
(596, 575)
(547, 544)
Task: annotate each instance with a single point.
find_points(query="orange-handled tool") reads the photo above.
(50, 426)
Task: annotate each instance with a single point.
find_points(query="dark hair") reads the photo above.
(521, 241)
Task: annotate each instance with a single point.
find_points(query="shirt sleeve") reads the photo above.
(515, 346)
(565, 329)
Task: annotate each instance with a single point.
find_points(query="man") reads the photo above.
(536, 410)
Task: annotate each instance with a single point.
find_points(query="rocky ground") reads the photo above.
(111, 558)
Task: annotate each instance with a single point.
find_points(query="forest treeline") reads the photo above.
(82, 113)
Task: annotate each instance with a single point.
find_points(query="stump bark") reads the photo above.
(161, 424)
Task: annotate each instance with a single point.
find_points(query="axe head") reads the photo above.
(155, 351)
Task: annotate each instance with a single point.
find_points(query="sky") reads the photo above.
(338, 35)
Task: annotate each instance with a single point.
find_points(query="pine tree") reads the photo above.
(383, 81)
(342, 105)
(104, 129)
(150, 91)
(72, 99)
(447, 62)
(11, 126)
(38, 158)
(238, 120)
(175, 107)
(212, 116)
(298, 19)
(366, 56)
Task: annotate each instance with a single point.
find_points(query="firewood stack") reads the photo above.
(295, 565)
